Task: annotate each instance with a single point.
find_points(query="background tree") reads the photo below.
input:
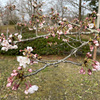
(93, 4)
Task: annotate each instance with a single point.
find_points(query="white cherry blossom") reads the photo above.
(91, 25)
(32, 89)
(29, 48)
(19, 37)
(23, 61)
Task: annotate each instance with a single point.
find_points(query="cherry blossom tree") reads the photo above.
(63, 29)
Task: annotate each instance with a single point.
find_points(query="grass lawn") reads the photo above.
(55, 83)
(4, 28)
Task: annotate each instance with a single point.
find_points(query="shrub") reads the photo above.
(12, 22)
(50, 46)
(24, 29)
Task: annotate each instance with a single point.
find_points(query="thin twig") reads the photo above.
(59, 61)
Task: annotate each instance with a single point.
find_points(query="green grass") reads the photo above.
(55, 83)
(8, 26)
(3, 29)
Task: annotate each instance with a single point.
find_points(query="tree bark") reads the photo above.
(80, 1)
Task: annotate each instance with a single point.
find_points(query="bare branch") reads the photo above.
(59, 61)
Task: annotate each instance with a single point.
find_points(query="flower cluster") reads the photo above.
(89, 63)
(8, 43)
(29, 58)
(96, 66)
(37, 19)
(21, 24)
(17, 76)
(96, 43)
(12, 80)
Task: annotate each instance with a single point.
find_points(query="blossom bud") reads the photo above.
(89, 71)
(14, 71)
(19, 68)
(30, 70)
(8, 85)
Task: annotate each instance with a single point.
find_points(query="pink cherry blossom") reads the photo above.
(65, 32)
(86, 17)
(19, 68)
(89, 71)
(35, 62)
(98, 30)
(85, 27)
(10, 79)
(46, 37)
(44, 21)
(70, 26)
(16, 34)
(94, 12)
(53, 35)
(14, 71)
(89, 55)
(15, 86)
(96, 66)
(30, 22)
(0, 40)
(62, 23)
(9, 84)
(25, 24)
(30, 70)
(37, 20)
(96, 62)
(91, 48)
(82, 71)
(94, 17)
(14, 74)
(35, 55)
(96, 42)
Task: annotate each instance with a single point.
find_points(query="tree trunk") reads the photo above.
(80, 1)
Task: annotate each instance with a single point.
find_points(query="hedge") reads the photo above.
(42, 46)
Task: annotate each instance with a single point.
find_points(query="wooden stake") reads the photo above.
(95, 53)
(98, 22)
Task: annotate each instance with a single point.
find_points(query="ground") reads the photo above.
(55, 83)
